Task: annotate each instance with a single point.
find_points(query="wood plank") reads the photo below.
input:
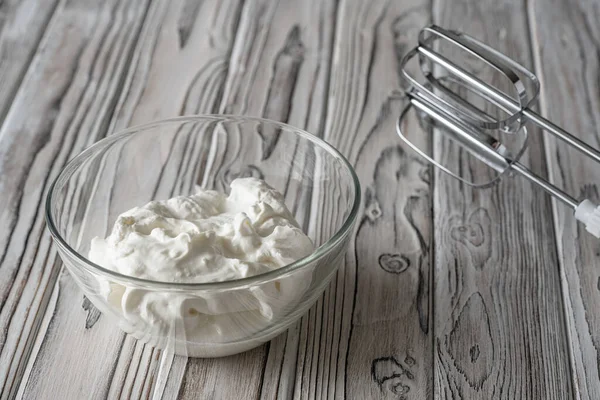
(499, 321)
(86, 48)
(182, 50)
(22, 24)
(279, 70)
(566, 39)
(372, 334)
(39, 134)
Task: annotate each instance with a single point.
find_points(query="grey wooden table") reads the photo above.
(446, 292)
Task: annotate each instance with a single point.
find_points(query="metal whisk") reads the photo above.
(444, 95)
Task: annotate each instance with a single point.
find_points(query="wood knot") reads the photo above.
(476, 234)
(400, 389)
(394, 263)
(474, 352)
(471, 232)
(470, 343)
(390, 375)
(373, 211)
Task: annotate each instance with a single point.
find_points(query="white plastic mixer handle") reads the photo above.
(589, 213)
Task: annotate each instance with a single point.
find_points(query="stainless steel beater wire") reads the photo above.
(544, 184)
(510, 103)
(489, 90)
(493, 158)
(561, 134)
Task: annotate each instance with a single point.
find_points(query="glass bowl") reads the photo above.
(175, 157)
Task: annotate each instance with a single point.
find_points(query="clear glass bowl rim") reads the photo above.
(320, 252)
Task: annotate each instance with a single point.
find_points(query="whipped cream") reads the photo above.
(206, 237)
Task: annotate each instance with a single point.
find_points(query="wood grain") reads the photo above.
(22, 25)
(378, 312)
(17, 46)
(570, 98)
(279, 69)
(499, 321)
(194, 79)
(39, 134)
(446, 292)
(255, 55)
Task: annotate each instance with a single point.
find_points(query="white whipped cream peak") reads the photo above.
(205, 237)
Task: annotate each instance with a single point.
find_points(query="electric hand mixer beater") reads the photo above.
(450, 97)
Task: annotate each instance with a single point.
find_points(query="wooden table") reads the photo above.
(446, 292)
